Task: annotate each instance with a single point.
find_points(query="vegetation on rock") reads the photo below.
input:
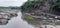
(32, 6)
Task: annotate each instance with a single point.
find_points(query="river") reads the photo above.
(17, 22)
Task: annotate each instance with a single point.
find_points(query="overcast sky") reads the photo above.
(12, 2)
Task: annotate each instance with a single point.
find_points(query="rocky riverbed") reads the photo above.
(42, 20)
(6, 15)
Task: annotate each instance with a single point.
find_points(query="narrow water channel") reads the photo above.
(17, 22)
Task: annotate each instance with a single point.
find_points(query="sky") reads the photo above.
(6, 3)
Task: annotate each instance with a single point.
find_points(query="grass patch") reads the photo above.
(28, 18)
(34, 21)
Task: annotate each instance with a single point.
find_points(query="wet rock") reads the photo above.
(3, 21)
(5, 16)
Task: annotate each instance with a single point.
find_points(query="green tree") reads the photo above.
(30, 5)
(56, 5)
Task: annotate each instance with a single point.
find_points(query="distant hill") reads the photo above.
(9, 7)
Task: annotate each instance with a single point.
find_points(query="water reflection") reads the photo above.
(17, 22)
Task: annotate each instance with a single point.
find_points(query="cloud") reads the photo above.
(12, 2)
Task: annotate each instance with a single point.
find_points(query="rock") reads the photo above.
(13, 15)
(5, 16)
(51, 18)
(3, 21)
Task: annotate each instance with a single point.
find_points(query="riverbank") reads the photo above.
(40, 20)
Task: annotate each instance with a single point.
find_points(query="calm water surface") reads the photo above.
(17, 22)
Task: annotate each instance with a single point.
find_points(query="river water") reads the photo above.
(17, 22)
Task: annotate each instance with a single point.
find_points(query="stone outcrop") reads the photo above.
(5, 16)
